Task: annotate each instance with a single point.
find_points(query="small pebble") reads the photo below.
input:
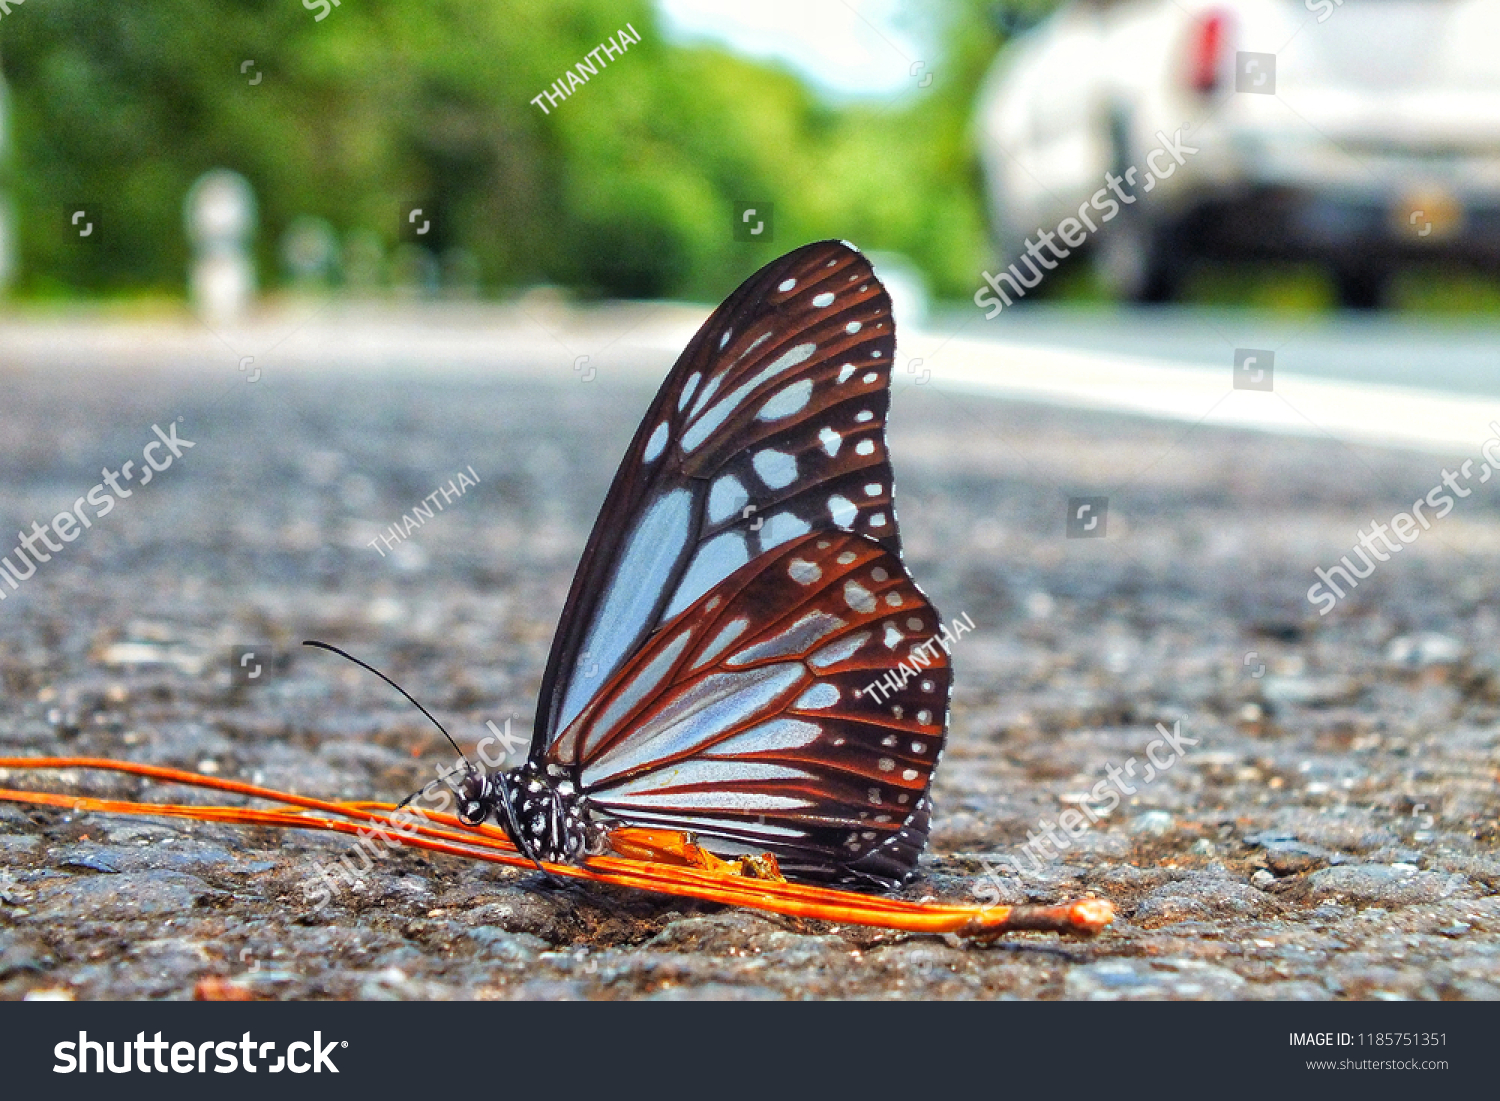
(1153, 823)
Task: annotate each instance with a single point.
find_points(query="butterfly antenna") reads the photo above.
(398, 688)
(510, 810)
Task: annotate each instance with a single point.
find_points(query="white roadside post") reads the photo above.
(220, 217)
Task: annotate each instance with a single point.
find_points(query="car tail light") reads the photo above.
(1209, 40)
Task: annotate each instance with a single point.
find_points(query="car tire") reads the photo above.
(1360, 287)
(1139, 263)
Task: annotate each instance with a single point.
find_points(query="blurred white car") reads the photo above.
(1364, 134)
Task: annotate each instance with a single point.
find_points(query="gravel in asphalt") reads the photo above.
(1328, 830)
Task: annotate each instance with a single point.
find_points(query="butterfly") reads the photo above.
(741, 591)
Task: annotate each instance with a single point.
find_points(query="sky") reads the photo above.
(842, 47)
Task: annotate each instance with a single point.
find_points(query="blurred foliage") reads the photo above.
(624, 189)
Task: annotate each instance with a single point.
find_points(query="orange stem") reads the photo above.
(1086, 916)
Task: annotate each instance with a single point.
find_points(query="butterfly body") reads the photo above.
(741, 591)
(555, 822)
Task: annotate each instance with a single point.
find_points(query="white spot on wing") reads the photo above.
(800, 353)
(865, 447)
(786, 285)
(726, 498)
(835, 652)
(831, 440)
(842, 510)
(803, 572)
(858, 597)
(710, 420)
(692, 384)
(818, 697)
(781, 528)
(824, 299)
(708, 392)
(800, 636)
(776, 468)
(853, 327)
(787, 402)
(754, 344)
(657, 441)
(845, 371)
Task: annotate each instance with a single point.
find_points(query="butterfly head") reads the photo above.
(476, 797)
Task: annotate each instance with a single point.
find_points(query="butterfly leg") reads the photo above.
(674, 847)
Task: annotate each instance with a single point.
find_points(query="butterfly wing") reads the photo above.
(771, 425)
(747, 719)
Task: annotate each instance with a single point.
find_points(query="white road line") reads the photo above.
(1391, 416)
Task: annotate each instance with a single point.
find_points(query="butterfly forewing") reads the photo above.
(770, 426)
(746, 718)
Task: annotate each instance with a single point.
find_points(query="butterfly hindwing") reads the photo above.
(746, 719)
(770, 426)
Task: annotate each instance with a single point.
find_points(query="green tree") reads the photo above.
(623, 189)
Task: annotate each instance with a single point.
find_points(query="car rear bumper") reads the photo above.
(1280, 222)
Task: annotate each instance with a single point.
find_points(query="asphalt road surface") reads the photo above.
(1326, 828)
